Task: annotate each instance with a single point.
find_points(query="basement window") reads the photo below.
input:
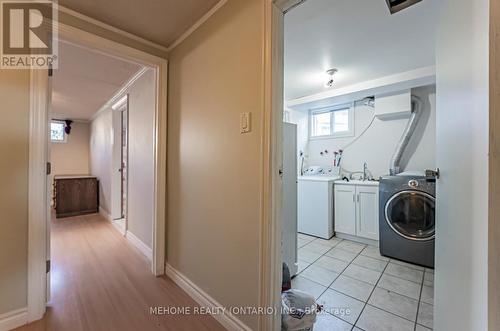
(57, 133)
(332, 122)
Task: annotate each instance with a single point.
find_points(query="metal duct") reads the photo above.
(416, 113)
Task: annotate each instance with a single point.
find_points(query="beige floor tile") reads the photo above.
(373, 252)
(317, 248)
(428, 279)
(421, 328)
(302, 242)
(302, 265)
(331, 263)
(370, 263)
(329, 243)
(426, 315)
(306, 236)
(352, 287)
(363, 274)
(406, 264)
(308, 286)
(327, 322)
(320, 275)
(427, 295)
(307, 255)
(341, 305)
(400, 286)
(351, 246)
(341, 254)
(394, 303)
(405, 272)
(374, 319)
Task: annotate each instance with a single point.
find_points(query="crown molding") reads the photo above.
(197, 24)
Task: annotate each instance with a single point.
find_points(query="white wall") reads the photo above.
(378, 143)
(101, 146)
(214, 172)
(461, 276)
(301, 120)
(72, 157)
(141, 156)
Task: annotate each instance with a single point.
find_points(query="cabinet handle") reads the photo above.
(353, 198)
(358, 197)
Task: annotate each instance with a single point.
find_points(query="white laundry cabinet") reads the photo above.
(357, 208)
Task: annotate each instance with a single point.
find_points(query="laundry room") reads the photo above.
(359, 162)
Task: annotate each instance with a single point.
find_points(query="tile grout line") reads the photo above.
(327, 287)
(371, 293)
(388, 261)
(419, 300)
(353, 325)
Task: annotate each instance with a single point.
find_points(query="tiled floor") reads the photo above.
(362, 290)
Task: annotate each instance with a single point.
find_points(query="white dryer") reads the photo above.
(315, 203)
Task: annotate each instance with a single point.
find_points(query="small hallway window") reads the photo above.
(57, 133)
(334, 122)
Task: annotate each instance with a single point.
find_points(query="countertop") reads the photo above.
(357, 182)
(73, 176)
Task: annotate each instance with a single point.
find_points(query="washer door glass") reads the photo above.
(411, 214)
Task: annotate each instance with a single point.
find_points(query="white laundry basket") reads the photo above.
(298, 311)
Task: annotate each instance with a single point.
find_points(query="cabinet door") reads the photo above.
(367, 212)
(345, 209)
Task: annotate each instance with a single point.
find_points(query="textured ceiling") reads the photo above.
(359, 37)
(159, 21)
(85, 81)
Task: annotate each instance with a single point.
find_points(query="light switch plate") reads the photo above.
(245, 122)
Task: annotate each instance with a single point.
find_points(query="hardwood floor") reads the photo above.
(101, 283)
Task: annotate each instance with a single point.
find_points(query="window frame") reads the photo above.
(65, 136)
(331, 110)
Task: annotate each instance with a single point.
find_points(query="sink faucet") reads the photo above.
(365, 170)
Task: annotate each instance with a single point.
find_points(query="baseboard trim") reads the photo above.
(228, 320)
(137, 243)
(13, 319)
(357, 239)
(104, 213)
(119, 225)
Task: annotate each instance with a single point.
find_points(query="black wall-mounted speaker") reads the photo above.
(398, 5)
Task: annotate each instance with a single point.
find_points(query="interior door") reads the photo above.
(345, 209)
(124, 160)
(119, 174)
(367, 212)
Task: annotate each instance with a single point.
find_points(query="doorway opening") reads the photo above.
(100, 89)
(358, 150)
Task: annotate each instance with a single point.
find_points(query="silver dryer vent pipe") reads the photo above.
(416, 113)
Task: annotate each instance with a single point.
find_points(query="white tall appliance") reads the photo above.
(289, 230)
(315, 202)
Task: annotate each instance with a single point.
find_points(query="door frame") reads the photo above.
(272, 146)
(38, 158)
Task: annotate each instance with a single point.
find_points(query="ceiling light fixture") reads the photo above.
(330, 73)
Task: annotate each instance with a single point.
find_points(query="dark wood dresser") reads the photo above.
(76, 195)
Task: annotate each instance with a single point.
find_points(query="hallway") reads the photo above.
(101, 283)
